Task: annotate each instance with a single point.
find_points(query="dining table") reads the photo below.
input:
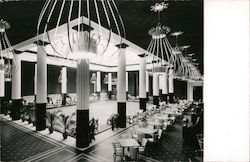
(129, 143)
(161, 117)
(157, 125)
(145, 130)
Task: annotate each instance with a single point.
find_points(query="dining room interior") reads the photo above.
(90, 80)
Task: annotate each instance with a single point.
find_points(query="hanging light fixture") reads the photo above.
(105, 80)
(75, 25)
(93, 78)
(159, 51)
(7, 53)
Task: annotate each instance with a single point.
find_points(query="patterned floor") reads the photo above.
(20, 144)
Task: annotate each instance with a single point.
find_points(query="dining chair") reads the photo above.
(118, 150)
(140, 137)
(200, 141)
(142, 148)
(165, 125)
(159, 134)
(133, 154)
(154, 138)
(133, 133)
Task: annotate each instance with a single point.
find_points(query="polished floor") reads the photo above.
(102, 110)
(21, 144)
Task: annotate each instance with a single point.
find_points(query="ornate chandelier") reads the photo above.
(159, 54)
(75, 26)
(7, 53)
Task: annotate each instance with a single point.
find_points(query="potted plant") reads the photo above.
(66, 124)
(32, 114)
(51, 117)
(22, 113)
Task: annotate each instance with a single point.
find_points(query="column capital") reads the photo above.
(121, 45)
(41, 43)
(83, 27)
(143, 55)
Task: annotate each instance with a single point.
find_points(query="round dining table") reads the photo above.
(154, 123)
(161, 117)
(145, 130)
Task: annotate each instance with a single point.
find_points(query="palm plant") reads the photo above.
(67, 124)
(52, 117)
(25, 113)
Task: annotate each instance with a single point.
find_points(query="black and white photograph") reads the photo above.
(108, 81)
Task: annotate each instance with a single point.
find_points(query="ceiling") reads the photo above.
(181, 15)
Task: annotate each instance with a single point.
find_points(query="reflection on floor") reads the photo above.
(21, 142)
(102, 110)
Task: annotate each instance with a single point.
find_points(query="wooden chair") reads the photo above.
(140, 137)
(142, 148)
(133, 153)
(118, 150)
(154, 138)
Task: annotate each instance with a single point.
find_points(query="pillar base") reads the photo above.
(98, 95)
(156, 101)
(109, 94)
(16, 107)
(64, 96)
(171, 97)
(122, 114)
(147, 97)
(40, 116)
(82, 128)
(165, 98)
(143, 104)
(160, 95)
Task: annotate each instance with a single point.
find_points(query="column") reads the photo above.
(64, 84)
(16, 89)
(160, 87)
(35, 81)
(147, 84)
(82, 113)
(165, 87)
(109, 85)
(121, 85)
(2, 83)
(142, 82)
(171, 85)
(2, 80)
(190, 90)
(156, 89)
(41, 91)
(126, 85)
(98, 84)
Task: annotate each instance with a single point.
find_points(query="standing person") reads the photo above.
(92, 129)
(112, 122)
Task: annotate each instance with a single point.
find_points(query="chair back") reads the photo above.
(155, 137)
(140, 137)
(126, 136)
(144, 142)
(133, 151)
(159, 133)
